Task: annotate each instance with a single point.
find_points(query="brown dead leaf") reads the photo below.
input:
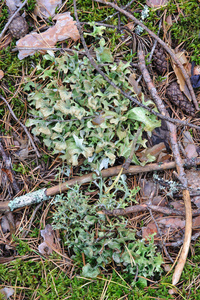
(189, 145)
(196, 223)
(169, 21)
(146, 188)
(149, 230)
(173, 223)
(137, 88)
(9, 174)
(46, 248)
(12, 4)
(1, 74)
(153, 151)
(159, 200)
(46, 8)
(65, 28)
(22, 153)
(156, 3)
(168, 226)
(5, 226)
(130, 25)
(196, 201)
(178, 205)
(193, 178)
(179, 75)
(191, 151)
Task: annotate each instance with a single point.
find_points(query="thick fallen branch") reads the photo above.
(45, 194)
(179, 166)
(161, 42)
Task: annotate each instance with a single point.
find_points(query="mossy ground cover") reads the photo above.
(37, 277)
(40, 278)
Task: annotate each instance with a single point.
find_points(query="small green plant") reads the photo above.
(78, 113)
(104, 241)
(20, 168)
(31, 5)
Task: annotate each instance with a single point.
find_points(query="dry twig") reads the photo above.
(113, 171)
(144, 207)
(179, 167)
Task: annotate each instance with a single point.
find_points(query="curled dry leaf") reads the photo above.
(65, 28)
(156, 3)
(178, 205)
(12, 5)
(188, 143)
(159, 200)
(179, 75)
(167, 226)
(45, 8)
(196, 223)
(193, 178)
(46, 248)
(149, 230)
(146, 187)
(5, 226)
(1, 74)
(169, 20)
(137, 88)
(154, 151)
(172, 223)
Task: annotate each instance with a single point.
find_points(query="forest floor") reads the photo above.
(99, 123)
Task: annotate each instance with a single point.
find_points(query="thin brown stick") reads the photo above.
(179, 166)
(113, 171)
(187, 238)
(170, 51)
(144, 207)
(22, 125)
(11, 19)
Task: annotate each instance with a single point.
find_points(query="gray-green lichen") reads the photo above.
(28, 199)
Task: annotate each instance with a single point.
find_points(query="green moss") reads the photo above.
(43, 280)
(186, 29)
(31, 5)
